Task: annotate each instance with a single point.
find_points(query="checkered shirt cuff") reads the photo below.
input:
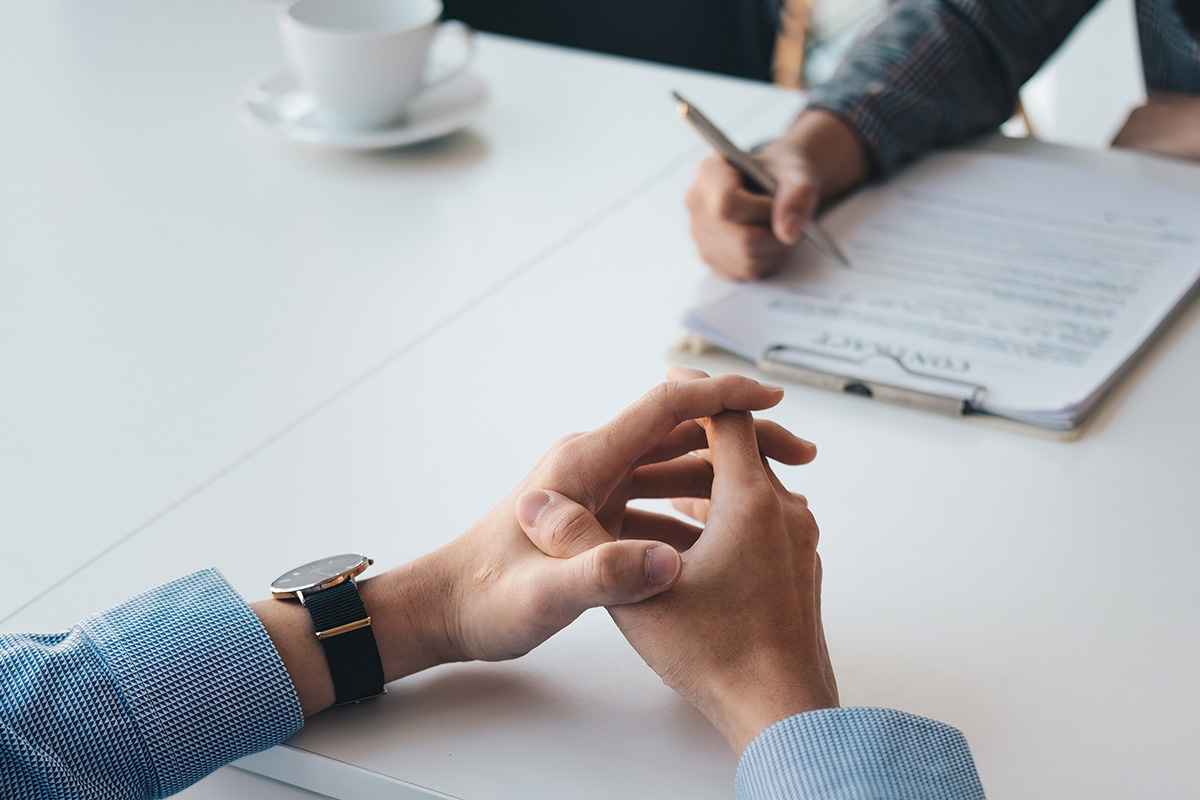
(858, 754)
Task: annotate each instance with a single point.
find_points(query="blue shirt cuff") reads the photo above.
(199, 676)
(858, 754)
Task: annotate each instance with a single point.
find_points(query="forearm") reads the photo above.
(934, 72)
(186, 679)
(172, 684)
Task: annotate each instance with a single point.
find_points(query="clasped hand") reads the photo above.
(728, 614)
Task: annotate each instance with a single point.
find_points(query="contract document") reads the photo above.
(1001, 284)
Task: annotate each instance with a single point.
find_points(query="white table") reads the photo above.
(177, 291)
(1036, 594)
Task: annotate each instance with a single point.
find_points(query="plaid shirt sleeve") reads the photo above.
(934, 72)
(141, 700)
(858, 754)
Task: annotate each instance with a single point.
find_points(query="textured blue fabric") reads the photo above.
(141, 700)
(858, 754)
(933, 72)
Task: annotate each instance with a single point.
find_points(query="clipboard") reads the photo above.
(954, 399)
(944, 395)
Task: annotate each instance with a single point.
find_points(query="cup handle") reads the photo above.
(453, 26)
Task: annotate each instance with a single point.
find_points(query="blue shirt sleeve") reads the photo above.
(141, 700)
(858, 754)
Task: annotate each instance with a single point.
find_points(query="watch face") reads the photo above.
(318, 572)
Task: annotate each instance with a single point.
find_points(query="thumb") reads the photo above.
(557, 525)
(612, 574)
(591, 569)
(795, 202)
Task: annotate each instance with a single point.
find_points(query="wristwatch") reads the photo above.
(327, 589)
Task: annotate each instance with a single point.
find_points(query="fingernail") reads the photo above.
(530, 505)
(662, 564)
(807, 442)
(770, 386)
(792, 225)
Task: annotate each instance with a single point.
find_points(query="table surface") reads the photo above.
(179, 291)
(226, 350)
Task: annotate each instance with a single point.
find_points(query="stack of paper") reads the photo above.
(1016, 286)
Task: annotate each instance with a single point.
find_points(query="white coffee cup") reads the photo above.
(364, 60)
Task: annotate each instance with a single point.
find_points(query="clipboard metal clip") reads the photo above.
(944, 395)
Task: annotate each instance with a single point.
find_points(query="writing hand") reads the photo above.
(743, 235)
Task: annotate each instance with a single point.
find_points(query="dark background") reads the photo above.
(735, 37)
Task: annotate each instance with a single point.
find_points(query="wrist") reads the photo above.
(741, 708)
(829, 149)
(407, 605)
(407, 620)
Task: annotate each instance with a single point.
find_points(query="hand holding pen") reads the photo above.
(742, 228)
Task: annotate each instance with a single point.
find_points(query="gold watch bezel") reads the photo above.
(297, 592)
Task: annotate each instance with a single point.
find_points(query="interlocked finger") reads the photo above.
(591, 465)
(695, 507)
(686, 476)
(734, 452)
(774, 441)
(640, 524)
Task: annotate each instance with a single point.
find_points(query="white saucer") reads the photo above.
(278, 106)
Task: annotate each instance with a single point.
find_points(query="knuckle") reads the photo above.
(568, 530)
(570, 444)
(662, 396)
(603, 571)
(558, 458)
(761, 497)
(566, 455)
(725, 205)
(729, 380)
(806, 531)
(562, 442)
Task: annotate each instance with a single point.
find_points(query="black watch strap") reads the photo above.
(345, 632)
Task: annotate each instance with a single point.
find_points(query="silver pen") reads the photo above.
(755, 173)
